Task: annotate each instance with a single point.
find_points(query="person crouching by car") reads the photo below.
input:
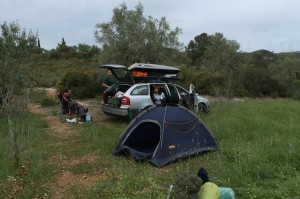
(159, 97)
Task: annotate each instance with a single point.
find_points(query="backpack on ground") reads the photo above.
(186, 187)
(86, 118)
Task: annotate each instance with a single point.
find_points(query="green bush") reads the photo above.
(37, 95)
(83, 84)
(48, 101)
(296, 88)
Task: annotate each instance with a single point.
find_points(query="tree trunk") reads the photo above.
(14, 144)
(229, 83)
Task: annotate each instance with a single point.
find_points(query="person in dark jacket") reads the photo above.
(74, 106)
(109, 80)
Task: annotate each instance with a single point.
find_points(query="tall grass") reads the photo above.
(32, 139)
(259, 147)
(258, 157)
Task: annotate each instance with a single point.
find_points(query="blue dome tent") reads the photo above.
(164, 134)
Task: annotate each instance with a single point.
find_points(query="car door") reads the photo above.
(174, 98)
(140, 97)
(193, 98)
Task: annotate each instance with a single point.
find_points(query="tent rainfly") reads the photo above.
(165, 134)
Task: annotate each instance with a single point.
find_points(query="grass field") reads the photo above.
(259, 155)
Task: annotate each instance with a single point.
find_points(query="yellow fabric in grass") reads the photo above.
(209, 191)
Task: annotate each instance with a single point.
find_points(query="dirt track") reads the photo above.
(67, 134)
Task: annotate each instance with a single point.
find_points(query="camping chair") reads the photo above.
(64, 109)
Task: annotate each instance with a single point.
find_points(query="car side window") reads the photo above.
(140, 90)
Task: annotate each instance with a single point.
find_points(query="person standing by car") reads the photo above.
(109, 80)
(159, 97)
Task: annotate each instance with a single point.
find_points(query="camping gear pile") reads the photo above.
(198, 187)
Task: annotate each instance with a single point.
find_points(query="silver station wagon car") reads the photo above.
(135, 86)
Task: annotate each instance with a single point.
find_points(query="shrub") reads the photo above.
(82, 84)
(48, 101)
(296, 87)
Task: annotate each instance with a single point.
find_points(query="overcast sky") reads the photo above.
(272, 25)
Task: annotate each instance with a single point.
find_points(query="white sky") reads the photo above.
(272, 25)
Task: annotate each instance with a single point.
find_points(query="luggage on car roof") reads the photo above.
(146, 72)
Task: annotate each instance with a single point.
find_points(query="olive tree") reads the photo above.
(197, 47)
(131, 37)
(15, 46)
(221, 56)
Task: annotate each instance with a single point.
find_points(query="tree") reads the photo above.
(256, 81)
(285, 71)
(131, 37)
(83, 84)
(262, 58)
(221, 55)
(85, 51)
(39, 43)
(196, 49)
(15, 47)
(63, 42)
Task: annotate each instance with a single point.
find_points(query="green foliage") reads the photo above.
(32, 139)
(37, 95)
(205, 82)
(296, 88)
(257, 138)
(49, 66)
(262, 58)
(83, 84)
(48, 72)
(213, 63)
(257, 82)
(131, 37)
(196, 49)
(258, 155)
(85, 51)
(14, 49)
(284, 71)
(48, 101)
(216, 54)
(227, 72)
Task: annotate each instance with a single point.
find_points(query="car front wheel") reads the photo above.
(202, 108)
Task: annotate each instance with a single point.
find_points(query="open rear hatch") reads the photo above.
(120, 72)
(142, 72)
(147, 72)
